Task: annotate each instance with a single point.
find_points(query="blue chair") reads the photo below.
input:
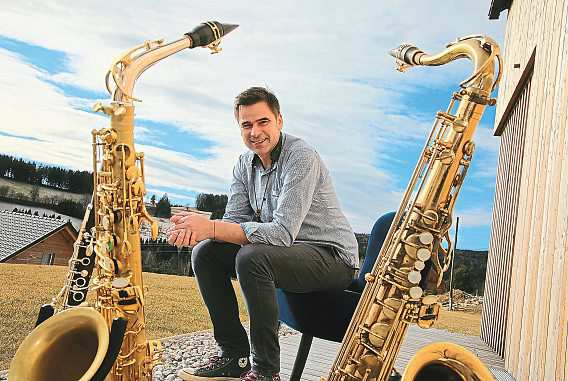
(326, 314)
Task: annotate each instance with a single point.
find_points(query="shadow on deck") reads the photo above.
(323, 352)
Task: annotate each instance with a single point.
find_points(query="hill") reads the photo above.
(469, 271)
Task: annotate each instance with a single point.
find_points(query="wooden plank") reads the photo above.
(561, 266)
(556, 319)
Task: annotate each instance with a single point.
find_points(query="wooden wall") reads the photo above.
(505, 211)
(60, 244)
(536, 339)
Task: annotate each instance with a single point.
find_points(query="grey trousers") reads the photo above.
(260, 269)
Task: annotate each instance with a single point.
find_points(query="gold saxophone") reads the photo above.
(75, 343)
(418, 249)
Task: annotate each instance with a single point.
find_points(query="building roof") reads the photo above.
(18, 231)
(498, 6)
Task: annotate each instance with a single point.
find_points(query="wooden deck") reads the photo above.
(323, 352)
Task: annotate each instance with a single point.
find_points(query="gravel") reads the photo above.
(183, 351)
(192, 350)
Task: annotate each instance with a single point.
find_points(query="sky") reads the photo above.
(327, 61)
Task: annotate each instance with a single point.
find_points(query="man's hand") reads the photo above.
(189, 228)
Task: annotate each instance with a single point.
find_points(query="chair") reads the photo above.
(326, 314)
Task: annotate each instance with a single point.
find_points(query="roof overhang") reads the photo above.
(67, 226)
(498, 6)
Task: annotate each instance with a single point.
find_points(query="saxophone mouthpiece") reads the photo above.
(409, 54)
(406, 56)
(209, 34)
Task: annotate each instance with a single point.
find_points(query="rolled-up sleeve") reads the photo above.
(301, 175)
(238, 207)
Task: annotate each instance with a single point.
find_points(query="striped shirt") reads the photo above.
(296, 200)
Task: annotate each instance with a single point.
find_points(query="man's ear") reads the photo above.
(279, 121)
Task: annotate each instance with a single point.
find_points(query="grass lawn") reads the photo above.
(43, 192)
(173, 305)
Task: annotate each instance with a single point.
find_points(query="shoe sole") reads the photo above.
(192, 377)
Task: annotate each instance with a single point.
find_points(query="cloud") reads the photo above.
(473, 217)
(328, 65)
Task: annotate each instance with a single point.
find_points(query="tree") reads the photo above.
(214, 203)
(153, 200)
(164, 208)
(34, 193)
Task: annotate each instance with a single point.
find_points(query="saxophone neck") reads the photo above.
(481, 50)
(126, 69)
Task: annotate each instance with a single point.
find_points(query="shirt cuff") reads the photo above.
(250, 228)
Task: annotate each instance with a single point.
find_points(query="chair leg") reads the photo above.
(301, 357)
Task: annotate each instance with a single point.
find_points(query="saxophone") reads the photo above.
(418, 248)
(72, 341)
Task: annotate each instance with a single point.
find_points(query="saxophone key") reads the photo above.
(138, 188)
(77, 296)
(417, 242)
(378, 333)
(428, 314)
(85, 261)
(430, 218)
(423, 254)
(79, 281)
(132, 172)
(429, 300)
(415, 292)
(447, 156)
(368, 367)
(419, 265)
(414, 277)
(391, 306)
(426, 238)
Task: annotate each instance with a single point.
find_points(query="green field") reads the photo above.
(45, 193)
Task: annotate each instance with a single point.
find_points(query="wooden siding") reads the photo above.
(60, 244)
(500, 257)
(536, 341)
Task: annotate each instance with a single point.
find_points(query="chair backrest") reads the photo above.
(376, 239)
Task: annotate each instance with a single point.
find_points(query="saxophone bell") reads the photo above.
(74, 344)
(445, 362)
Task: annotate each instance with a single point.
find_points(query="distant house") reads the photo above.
(30, 239)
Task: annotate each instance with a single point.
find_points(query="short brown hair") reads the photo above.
(256, 94)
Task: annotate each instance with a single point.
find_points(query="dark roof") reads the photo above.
(498, 6)
(19, 231)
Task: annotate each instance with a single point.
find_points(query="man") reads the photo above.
(283, 227)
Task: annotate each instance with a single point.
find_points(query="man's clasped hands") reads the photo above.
(189, 228)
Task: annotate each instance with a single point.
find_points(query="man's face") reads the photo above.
(260, 128)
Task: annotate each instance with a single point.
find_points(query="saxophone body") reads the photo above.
(401, 287)
(107, 339)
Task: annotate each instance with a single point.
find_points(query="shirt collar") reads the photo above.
(275, 154)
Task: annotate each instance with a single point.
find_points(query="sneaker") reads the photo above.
(218, 369)
(252, 375)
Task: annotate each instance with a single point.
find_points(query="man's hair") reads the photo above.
(254, 95)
